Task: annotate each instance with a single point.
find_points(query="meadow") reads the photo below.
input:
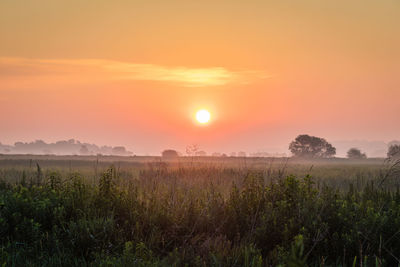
(198, 211)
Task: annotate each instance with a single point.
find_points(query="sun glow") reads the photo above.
(203, 116)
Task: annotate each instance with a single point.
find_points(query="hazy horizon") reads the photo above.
(134, 73)
(373, 149)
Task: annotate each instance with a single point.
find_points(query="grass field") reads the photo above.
(200, 211)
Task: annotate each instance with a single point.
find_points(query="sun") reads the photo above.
(203, 116)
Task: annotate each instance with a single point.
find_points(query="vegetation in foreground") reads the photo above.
(171, 217)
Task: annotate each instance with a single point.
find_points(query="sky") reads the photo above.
(134, 73)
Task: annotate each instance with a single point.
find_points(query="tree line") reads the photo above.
(304, 146)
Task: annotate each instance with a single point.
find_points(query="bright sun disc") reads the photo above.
(203, 116)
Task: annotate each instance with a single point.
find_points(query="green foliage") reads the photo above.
(296, 257)
(171, 217)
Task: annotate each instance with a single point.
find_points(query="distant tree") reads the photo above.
(192, 149)
(84, 150)
(393, 151)
(307, 146)
(119, 150)
(355, 153)
(260, 154)
(169, 153)
(216, 154)
(241, 154)
(394, 142)
(201, 153)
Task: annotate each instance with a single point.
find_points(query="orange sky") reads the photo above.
(134, 72)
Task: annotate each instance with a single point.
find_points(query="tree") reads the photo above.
(394, 142)
(84, 150)
(241, 154)
(192, 149)
(393, 151)
(201, 153)
(169, 153)
(355, 153)
(306, 146)
(119, 151)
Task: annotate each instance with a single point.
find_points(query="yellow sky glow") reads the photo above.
(188, 77)
(134, 72)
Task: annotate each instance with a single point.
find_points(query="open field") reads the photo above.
(338, 172)
(146, 211)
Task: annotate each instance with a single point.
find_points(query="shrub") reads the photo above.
(394, 151)
(355, 153)
(169, 153)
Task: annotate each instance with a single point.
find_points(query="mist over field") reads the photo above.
(70, 147)
(373, 149)
(200, 133)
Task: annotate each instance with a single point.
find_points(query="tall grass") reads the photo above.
(164, 214)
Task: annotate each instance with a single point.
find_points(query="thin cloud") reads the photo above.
(116, 70)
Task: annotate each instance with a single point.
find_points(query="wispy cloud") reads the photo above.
(107, 69)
